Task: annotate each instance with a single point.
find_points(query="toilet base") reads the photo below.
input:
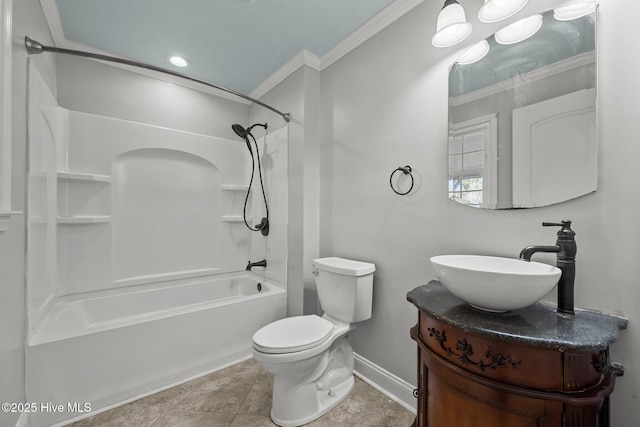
(326, 402)
(300, 399)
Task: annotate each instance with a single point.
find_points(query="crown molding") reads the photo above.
(384, 18)
(379, 22)
(304, 57)
(52, 16)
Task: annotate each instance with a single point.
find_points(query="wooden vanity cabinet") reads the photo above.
(474, 370)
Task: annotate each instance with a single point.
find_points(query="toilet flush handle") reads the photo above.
(316, 272)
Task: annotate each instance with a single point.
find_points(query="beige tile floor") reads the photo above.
(240, 395)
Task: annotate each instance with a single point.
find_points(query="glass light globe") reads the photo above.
(519, 30)
(474, 54)
(452, 26)
(574, 11)
(497, 10)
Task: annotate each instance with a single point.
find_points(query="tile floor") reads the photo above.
(240, 395)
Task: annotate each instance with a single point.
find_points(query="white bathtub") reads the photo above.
(108, 347)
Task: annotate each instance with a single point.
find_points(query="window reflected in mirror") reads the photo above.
(522, 118)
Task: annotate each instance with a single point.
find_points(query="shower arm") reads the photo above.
(34, 47)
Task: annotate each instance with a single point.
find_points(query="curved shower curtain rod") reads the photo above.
(34, 47)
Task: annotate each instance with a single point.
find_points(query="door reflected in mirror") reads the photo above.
(522, 118)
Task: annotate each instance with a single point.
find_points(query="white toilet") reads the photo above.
(310, 357)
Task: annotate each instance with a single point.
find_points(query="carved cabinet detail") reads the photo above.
(485, 375)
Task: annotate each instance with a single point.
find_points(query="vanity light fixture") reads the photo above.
(178, 61)
(452, 26)
(574, 11)
(474, 54)
(497, 10)
(519, 30)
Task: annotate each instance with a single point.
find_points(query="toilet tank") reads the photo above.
(345, 287)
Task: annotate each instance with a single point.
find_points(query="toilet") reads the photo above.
(309, 356)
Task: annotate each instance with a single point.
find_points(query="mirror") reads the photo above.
(522, 119)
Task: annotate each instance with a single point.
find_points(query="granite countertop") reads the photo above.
(537, 325)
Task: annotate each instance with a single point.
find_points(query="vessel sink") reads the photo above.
(495, 284)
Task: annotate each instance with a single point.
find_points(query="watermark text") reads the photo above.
(47, 407)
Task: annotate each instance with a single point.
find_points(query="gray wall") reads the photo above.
(385, 105)
(93, 87)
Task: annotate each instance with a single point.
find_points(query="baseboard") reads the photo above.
(384, 381)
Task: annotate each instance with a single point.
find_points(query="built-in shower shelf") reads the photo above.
(233, 202)
(85, 219)
(79, 177)
(234, 187)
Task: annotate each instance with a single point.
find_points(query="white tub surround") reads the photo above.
(136, 254)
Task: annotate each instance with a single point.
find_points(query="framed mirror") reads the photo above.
(522, 117)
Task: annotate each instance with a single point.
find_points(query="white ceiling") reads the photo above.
(244, 45)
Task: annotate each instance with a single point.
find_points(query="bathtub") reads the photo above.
(107, 347)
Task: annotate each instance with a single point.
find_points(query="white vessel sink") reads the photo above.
(493, 283)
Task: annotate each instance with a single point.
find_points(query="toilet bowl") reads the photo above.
(311, 357)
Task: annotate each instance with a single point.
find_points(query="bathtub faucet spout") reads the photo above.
(262, 263)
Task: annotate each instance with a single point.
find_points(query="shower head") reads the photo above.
(244, 133)
(240, 131)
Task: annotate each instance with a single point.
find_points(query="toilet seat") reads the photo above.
(293, 334)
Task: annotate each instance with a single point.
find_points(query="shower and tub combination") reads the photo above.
(137, 250)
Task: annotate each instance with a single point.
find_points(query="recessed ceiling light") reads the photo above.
(178, 61)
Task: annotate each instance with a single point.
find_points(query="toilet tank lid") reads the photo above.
(344, 266)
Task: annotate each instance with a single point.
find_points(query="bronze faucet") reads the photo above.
(566, 249)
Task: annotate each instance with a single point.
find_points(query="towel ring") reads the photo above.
(405, 170)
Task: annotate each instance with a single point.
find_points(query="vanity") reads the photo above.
(530, 367)
(489, 353)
